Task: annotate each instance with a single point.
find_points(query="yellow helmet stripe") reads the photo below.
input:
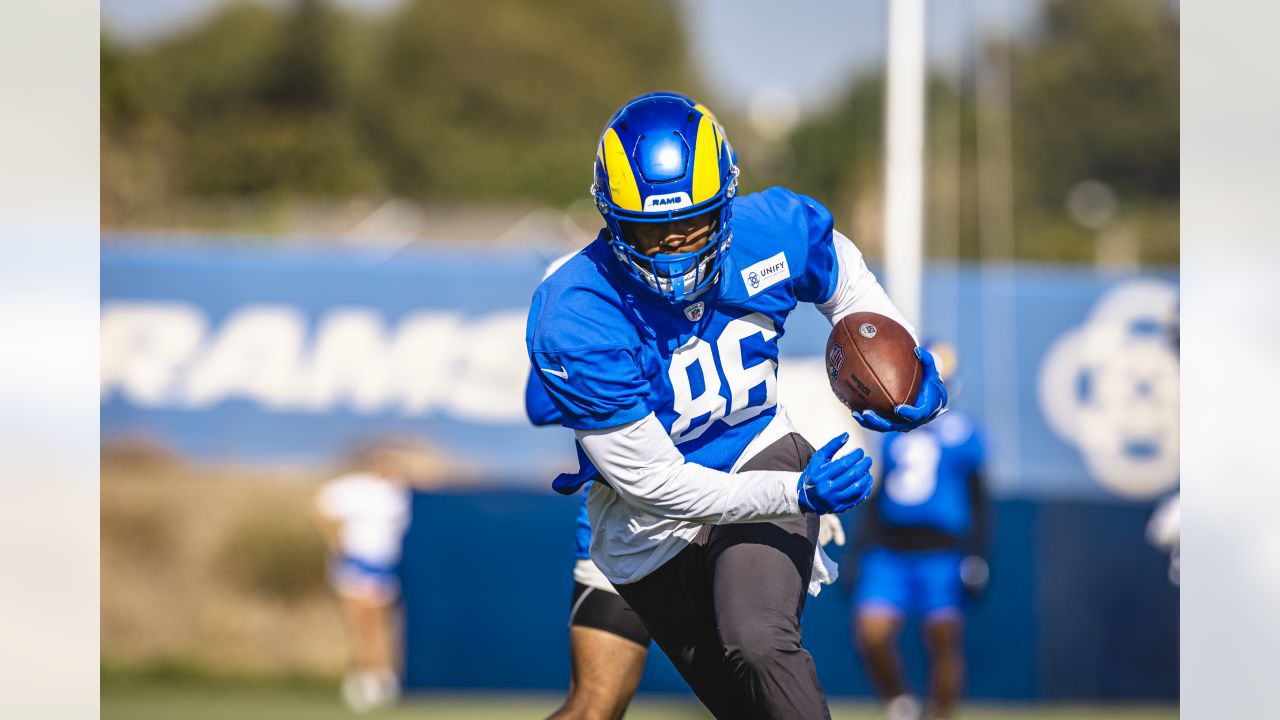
(705, 111)
(716, 121)
(706, 162)
(622, 183)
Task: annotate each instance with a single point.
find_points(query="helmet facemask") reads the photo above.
(675, 275)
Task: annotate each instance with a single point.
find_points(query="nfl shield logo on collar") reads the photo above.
(694, 311)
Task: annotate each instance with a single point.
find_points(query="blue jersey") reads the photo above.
(538, 406)
(929, 476)
(609, 352)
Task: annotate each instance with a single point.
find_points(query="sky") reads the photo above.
(813, 47)
(803, 51)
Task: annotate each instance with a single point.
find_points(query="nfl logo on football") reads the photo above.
(835, 359)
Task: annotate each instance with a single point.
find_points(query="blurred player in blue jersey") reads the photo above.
(921, 545)
(608, 644)
(657, 344)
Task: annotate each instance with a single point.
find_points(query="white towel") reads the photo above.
(825, 571)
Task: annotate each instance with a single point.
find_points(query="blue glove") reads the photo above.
(931, 402)
(832, 486)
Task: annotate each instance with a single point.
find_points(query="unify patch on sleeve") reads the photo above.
(766, 273)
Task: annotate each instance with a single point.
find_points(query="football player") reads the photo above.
(658, 345)
(921, 545)
(608, 644)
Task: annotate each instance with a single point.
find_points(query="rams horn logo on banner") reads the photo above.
(1109, 387)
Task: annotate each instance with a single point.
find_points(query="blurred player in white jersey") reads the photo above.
(363, 515)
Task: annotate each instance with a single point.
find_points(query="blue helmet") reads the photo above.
(663, 157)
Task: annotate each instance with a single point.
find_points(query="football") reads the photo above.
(871, 363)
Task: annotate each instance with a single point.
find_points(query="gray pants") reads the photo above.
(726, 610)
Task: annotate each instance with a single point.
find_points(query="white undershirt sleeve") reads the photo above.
(857, 289)
(645, 469)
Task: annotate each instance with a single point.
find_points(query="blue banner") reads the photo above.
(266, 353)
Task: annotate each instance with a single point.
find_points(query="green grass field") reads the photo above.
(166, 699)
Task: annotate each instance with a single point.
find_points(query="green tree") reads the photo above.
(304, 72)
(839, 152)
(119, 98)
(211, 71)
(1096, 97)
(259, 102)
(443, 100)
(507, 98)
(837, 156)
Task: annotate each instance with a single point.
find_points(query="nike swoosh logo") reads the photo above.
(561, 373)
